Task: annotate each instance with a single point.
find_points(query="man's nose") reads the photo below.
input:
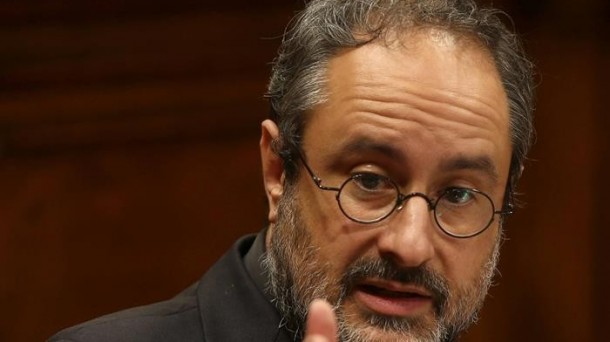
(408, 236)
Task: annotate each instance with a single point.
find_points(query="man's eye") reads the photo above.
(370, 181)
(458, 196)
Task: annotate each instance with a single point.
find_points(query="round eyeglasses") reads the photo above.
(368, 198)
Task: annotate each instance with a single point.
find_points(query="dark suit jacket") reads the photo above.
(224, 306)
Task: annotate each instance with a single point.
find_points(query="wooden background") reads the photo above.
(129, 160)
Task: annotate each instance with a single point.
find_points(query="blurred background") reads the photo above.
(129, 160)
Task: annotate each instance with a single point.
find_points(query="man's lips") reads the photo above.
(393, 298)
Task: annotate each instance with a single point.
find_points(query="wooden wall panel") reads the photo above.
(601, 224)
(184, 71)
(128, 151)
(97, 230)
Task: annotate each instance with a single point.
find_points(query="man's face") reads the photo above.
(424, 112)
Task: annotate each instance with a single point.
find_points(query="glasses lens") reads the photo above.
(368, 197)
(464, 212)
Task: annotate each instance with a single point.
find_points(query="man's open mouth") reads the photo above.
(382, 292)
(393, 300)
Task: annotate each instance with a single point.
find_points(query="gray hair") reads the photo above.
(325, 27)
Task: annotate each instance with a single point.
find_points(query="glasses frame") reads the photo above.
(402, 198)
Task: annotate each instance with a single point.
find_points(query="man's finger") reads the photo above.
(321, 323)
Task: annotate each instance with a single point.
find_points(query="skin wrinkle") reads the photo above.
(427, 98)
(436, 123)
(422, 123)
(396, 103)
(386, 128)
(419, 95)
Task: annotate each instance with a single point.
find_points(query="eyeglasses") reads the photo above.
(367, 198)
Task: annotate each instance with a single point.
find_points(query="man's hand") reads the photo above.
(321, 323)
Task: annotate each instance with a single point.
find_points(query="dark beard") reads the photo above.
(297, 276)
(291, 250)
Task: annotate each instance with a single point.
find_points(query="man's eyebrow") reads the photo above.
(481, 163)
(366, 145)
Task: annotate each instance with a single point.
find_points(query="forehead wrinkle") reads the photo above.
(397, 121)
(467, 109)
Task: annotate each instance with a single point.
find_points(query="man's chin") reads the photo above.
(365, 331)
(361, 323)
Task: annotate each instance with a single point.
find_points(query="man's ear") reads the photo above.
(273, 168)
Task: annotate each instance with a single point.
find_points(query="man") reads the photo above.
(397, 135)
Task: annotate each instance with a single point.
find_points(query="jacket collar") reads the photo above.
(232, 306)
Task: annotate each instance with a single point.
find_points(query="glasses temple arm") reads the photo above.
(509, 210)
(317, 180)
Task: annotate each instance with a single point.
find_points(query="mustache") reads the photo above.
(386, 269)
